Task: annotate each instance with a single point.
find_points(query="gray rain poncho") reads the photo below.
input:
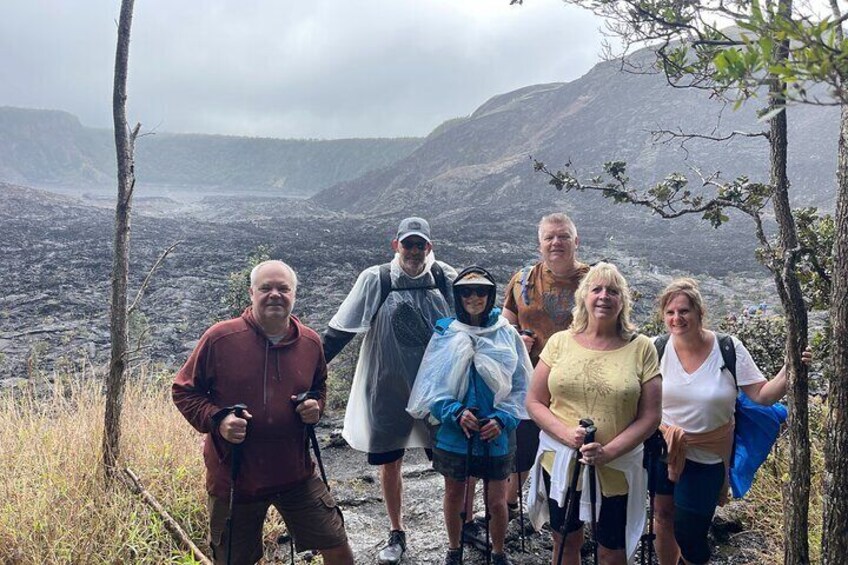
(376, 420)
(496, 352)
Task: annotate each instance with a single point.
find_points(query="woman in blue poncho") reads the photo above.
(475, 369)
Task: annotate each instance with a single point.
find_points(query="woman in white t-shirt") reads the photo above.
(699, 396)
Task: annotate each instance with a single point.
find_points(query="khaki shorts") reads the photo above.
(309, 510)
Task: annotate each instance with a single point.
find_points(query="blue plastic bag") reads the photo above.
(757, 428)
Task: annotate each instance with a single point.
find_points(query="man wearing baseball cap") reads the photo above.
(397, 305)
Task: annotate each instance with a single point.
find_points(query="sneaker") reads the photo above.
(393, 551)
(453, 557)
(474, 534)
(500, 559)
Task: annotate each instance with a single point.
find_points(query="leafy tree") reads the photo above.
(781, 49)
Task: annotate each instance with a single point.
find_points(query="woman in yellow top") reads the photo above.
(599, 369)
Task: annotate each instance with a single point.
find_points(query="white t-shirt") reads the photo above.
(705, 399)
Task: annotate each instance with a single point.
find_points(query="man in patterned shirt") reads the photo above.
(538, 303)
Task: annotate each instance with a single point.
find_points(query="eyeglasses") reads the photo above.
(420, 245)
(467, 291)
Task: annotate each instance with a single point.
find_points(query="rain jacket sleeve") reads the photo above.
(361, 304)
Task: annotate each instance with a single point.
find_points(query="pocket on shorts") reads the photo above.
(327, 499)
(329, 502)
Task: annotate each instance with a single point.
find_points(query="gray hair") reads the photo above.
(560, 219)
(255, 270)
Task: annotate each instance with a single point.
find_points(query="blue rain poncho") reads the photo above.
(493, 355)
(756, 430)
(376, 420)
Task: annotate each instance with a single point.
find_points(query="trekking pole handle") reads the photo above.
(589, 425)
(304, 396)
(238, 411)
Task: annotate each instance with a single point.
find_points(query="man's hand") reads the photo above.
(234, 429)
(528, 337)
(308, 410)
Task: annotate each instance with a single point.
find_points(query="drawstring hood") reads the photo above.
(474, 276)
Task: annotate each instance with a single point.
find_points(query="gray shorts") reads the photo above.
(452, 466)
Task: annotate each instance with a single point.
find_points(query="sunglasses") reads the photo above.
(467, 291)
(420, 245)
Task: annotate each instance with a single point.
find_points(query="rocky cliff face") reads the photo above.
(605, 115)
(44, 147)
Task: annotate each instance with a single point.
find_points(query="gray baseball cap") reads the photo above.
(413, 226)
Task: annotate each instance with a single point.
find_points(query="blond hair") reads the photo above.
(609, 274)
(688, 288)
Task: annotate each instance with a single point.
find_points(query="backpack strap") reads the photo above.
(385, 287)
(525, 284)
(660, 344)
(725, 346)
(728, 354)
(441, 282)
(386, 283)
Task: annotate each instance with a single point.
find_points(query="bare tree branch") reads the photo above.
(147, 278)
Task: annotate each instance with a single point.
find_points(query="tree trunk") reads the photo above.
(835, 509)
(797, 489)
(124, 140)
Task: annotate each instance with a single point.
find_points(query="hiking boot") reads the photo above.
(500, 559)
(512, 510)
(453, 557)
(393, 551)
(474, 534)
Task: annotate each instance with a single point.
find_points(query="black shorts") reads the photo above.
(612, 521)
(696, 496)
(387, 457)
(526, 445)
(452, 466)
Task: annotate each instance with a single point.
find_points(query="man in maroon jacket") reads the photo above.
(263, 359)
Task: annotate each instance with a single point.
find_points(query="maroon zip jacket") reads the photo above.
(235, 363)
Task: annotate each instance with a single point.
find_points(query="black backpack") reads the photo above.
(436, 270)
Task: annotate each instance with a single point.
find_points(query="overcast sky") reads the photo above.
(286, 68)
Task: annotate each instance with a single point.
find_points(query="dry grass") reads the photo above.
(55, 507)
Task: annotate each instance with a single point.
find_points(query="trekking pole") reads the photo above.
(521, 510)
(571, 494)
(487, 514)
(316, 450)
(655, 449)
(593, 494)
(310, 430)
(463, 514)
(238, 410)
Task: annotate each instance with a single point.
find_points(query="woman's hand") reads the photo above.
(594, 454)
(490, 431)
(574, 437)
(807, 356)
(469, 423)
